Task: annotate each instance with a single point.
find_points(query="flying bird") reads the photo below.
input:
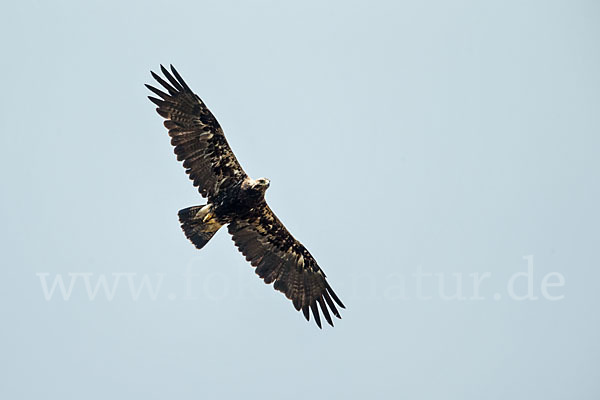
(238, 201)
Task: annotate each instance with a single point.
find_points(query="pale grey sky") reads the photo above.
(414, 147)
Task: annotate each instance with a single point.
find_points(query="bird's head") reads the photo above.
(256, 186)
(261, 184)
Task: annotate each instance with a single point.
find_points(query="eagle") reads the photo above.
(238, 201)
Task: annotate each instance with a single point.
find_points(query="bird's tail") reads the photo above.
(199, 224)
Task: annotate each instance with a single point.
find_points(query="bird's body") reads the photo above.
(236, 200)
(240, 199)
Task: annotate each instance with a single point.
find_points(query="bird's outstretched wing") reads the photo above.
(279, 258)
(197, 136)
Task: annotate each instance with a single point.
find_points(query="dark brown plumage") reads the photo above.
(238, 201)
